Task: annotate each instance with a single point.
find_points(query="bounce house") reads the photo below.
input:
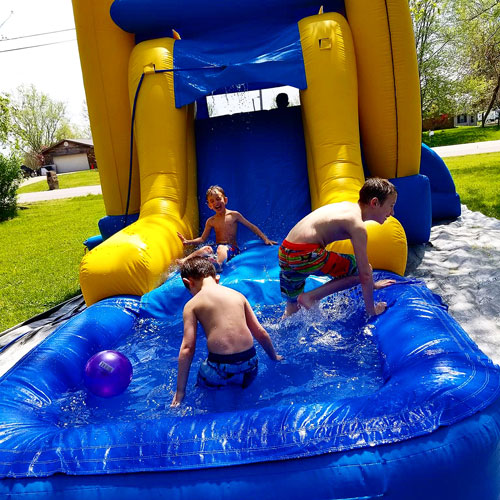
(403, 405)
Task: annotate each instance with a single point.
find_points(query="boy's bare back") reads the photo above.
(333, 222)
(223, 314)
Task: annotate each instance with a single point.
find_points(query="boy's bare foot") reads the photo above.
(213, 259)
(304, 301)
(291, 308)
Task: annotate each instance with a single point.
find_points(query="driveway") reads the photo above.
(473, 148)
(57, 194)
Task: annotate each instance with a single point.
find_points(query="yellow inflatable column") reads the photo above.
(161, 131)
(330, 116)
(330, 110)
(134, 261)
(104, 54)
(389, 89)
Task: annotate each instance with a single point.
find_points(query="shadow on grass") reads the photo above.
(474, 200)
(462, 135)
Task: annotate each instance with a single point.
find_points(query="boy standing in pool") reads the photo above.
(225, 224)
(303, 253)
(230, 326)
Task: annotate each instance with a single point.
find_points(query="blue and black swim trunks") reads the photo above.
(232, 250)
(223, 370)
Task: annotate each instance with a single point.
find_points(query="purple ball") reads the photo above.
(107, 373)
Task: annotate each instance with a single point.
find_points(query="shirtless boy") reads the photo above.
(225, 224)
(230, 326)
(303, 253)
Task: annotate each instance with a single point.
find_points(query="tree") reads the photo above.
(36, 120)
(433, 29)
(479, 27)
(4, 118)
(85, 130)
(10, 176)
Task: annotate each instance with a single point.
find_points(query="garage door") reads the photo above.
(71, 163)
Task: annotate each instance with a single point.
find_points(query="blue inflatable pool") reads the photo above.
(405, 406)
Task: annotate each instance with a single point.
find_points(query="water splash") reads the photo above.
(330, 354)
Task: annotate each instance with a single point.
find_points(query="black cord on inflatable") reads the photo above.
(132, 149)
(133, 120)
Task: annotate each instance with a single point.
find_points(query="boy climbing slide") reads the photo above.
(303, 252)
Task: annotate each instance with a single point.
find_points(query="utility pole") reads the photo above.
(8, 17)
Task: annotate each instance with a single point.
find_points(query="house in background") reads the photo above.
(70, 155)
(438, 122)
(493, 117)
(464, 120)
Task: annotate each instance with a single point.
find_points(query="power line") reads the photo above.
(36, 34)
(10, 15)
(40, 45)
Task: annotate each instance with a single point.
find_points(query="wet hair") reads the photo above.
(213, 190)
(375, 187)
(197, 268)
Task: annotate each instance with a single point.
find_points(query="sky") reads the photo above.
(53, 69)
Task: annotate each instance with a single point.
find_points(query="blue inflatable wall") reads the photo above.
(445, 200)
(415, 411)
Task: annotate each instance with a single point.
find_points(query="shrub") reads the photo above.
(10, 177)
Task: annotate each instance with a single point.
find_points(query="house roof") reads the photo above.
(85, 142)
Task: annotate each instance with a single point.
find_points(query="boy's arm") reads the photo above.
(259, 333)
(200, 239)
(254, 229)
(359, 241)
(186, 353)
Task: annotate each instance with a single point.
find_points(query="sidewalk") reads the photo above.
(473, 148)
(33, 180)
(57, 194)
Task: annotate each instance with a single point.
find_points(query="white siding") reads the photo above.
(71, 163)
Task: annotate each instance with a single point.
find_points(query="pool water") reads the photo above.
(330, 354)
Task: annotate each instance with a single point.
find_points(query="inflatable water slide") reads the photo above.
(400, 406)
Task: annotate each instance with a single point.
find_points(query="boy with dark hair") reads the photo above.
(303, 252)
(230, 326)
(375, 187)
(225, 224)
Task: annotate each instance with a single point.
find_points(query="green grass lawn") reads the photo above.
(40, 254)
(461, 135)
(76, 179)
(477, 181)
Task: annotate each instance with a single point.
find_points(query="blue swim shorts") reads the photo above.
(232, 250)
(223, 370)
